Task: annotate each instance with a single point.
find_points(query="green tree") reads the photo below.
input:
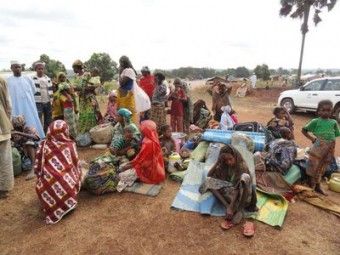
(281, 71)
(103, 62)
(241, 72)
(301, 9)
(52, 67)
(262, 72)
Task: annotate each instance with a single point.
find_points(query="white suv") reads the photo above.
(308, 96)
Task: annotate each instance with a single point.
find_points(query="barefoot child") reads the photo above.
(229, 180)
(167, 143)
(325, 131)
(177, 98)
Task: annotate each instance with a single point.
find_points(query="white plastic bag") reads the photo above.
(226, 122)
(142, 101)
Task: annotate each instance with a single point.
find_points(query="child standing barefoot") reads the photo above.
(229, 180)
(325, 131)
(177, 97)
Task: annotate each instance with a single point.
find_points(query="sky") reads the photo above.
(166, 34)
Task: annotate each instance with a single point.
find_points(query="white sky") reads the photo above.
(166, 33)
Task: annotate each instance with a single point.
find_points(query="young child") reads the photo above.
(230, 181)
(177, 97)
(167, 143)
(325, 131)
(68, 104)
(286, 134)
(127, 145)
(281, 119)
(25, 139)
(111, 110)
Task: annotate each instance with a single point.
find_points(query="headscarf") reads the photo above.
(223, 172)
(149, 163)
(78, 63)
(113, 93)
(126, 114)
(127, 61)
(58, 131)
(59, 75)
(197, 109)
(145, 69)
(18, 121)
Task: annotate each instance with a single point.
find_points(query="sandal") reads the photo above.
(249, 229)
(225, 225)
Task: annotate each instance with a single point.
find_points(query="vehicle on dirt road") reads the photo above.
(308, 96)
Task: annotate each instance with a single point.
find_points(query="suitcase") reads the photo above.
(249, 127)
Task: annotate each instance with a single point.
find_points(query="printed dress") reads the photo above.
(58, 171)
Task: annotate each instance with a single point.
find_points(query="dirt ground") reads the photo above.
(129, 223)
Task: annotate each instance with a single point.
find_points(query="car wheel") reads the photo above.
(337, 114)
(288, 104)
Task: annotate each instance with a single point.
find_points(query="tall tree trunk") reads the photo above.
(304, 30)
(298, 78)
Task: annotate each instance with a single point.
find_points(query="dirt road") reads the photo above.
(134, 224)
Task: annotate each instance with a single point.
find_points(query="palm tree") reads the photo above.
(301, 9)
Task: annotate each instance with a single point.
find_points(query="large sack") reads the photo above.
(16, 159)
(84, 140)
(142, 100)
(102, 133)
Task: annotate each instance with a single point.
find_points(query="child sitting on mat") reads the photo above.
(230, 181)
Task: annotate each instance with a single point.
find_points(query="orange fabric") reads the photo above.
(149, 164)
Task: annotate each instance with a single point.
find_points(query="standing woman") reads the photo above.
(127, 78)
(58, 172)
(157, 113)
(87, 99)
(147, 84)
(188, 107)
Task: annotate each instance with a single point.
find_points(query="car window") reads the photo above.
(314, 86)
(332, 85)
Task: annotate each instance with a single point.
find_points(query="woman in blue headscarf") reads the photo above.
(124, 119)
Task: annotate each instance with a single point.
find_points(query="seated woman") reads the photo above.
(281, 119)
(58, 171)
(202, 115)
(126, 146)
(148, 165)
(123, 120)
(229, 180)
(25, 139)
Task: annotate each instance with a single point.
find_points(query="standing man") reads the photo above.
(6, 166)
(22, 90)
(147, 84)
(44, 94)
(253, 80)
(220, 98)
